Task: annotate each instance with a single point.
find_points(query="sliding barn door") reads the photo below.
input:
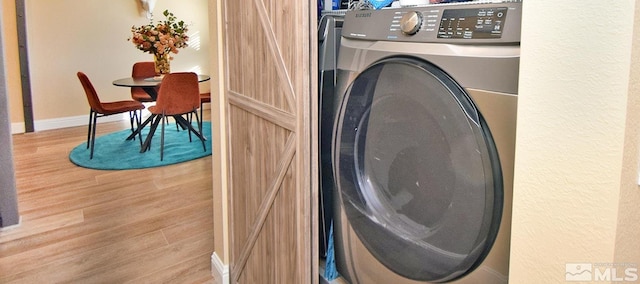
(268, 92)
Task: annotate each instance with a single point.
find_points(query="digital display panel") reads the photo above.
(485, 23)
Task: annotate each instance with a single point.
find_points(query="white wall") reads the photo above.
(67, 36)
(11, 61)
(573, 144)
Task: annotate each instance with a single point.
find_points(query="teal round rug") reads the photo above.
(113, 152)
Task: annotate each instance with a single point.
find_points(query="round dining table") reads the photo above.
(149, 84)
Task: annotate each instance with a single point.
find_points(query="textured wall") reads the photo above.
(12, 65)
(628, 232)
(573, 103)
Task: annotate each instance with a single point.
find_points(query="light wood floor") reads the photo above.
(89, 226)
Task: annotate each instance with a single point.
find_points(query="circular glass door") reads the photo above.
(417, 171)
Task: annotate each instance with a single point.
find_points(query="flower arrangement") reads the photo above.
(161, 39)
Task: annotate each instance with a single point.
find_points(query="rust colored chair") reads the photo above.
(178, 96)
(205, 98)
(101, 109)
(146, 69)
(142, 70)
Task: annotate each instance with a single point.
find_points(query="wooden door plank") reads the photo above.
(276, 53)
(265, 207)
(268, 94)
(268, 112)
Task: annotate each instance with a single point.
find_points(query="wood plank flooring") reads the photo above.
(90, 226)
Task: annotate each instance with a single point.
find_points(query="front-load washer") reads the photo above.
(423, 143)
(329, 34)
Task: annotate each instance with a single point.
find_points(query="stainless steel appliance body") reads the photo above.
(423, 143)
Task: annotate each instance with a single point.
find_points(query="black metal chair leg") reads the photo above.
(89, 128)
(139, 129)
(188, 122)
(198, 132)
(189, 129)
(189, 119)
(93, 134)
(138, 122)
(162, 141)
(132, 117)
(201, 116)
(167, 120)
(199, 121)
(147, 143)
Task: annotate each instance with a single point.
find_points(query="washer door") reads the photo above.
(417, 171)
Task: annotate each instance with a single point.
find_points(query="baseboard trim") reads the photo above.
(71, 121)
(17, 128)
(219, 271)
(64, 122)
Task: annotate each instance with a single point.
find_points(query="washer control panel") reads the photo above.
(459, 23)
(472, 23)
